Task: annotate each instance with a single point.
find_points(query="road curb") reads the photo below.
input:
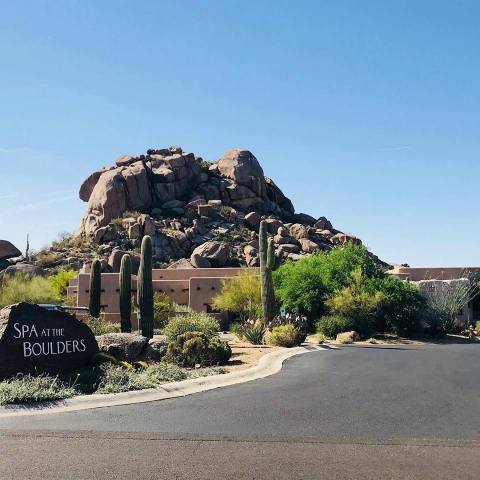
(269, 364)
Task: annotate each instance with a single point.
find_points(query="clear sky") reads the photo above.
(366, 112)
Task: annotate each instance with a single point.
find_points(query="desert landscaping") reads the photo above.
(183, 268)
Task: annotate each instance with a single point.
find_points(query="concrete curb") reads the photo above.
(269, 364)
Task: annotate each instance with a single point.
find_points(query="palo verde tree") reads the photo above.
(145, 288)
(125, 286)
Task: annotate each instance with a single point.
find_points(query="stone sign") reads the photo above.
(35, 340)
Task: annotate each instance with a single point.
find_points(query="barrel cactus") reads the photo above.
(95, 289)
(125, 286)
(145, 288)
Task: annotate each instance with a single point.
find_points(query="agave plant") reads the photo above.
(253, 332)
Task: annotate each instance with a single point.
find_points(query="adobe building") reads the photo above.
(191, 287)
(471, 311)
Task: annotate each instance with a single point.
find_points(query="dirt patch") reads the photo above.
(246, 355)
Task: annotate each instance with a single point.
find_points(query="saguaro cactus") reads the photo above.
(145, 288)
(125, 286)
(267, 264)
(95, 289)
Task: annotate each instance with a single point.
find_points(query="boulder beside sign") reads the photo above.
(35, 340)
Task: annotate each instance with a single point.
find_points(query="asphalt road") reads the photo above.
(357, 412)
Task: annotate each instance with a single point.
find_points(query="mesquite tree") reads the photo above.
(267, 264)
(145, 288)
(95, 289)
(125, 286)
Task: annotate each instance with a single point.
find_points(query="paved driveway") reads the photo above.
(354, 406)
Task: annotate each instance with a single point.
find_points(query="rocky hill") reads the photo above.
(198, 214)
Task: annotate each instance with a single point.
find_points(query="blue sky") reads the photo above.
(365, 112)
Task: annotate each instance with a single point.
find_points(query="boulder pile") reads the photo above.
(198, 213)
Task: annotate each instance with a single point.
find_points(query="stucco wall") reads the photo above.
(194, 287)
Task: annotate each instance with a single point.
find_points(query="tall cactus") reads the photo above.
(145, 288)
(125, 286)
(267, 264)
(95, 289)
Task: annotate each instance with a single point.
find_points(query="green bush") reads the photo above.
(191, 322)
(332, 325)
(196, 348)
(23, 288)
(163, 309)
(284, 336)
(303, 286)
(59, 281)
(402, 309)
(357, 302)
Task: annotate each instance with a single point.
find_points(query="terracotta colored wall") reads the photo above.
(202, 291)
(187, 273)
(194, 287)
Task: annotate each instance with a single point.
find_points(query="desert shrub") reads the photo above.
(332, 325)
(106, 377)
(100, 326)
(241, 295)
(196, 348)
(284, 336)
(346, 340)
(130, 214)
(26, 389)
(59, 281)
(23, 288)
(303, 286)
(191, 322)
(163, 309)
(445, 299)
(321, 338)
(45, 258)
(402, 308)
(357, 302)
(298, 321)
(117, 222)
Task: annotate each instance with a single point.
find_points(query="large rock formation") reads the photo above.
(170, 179)
(198, 213)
